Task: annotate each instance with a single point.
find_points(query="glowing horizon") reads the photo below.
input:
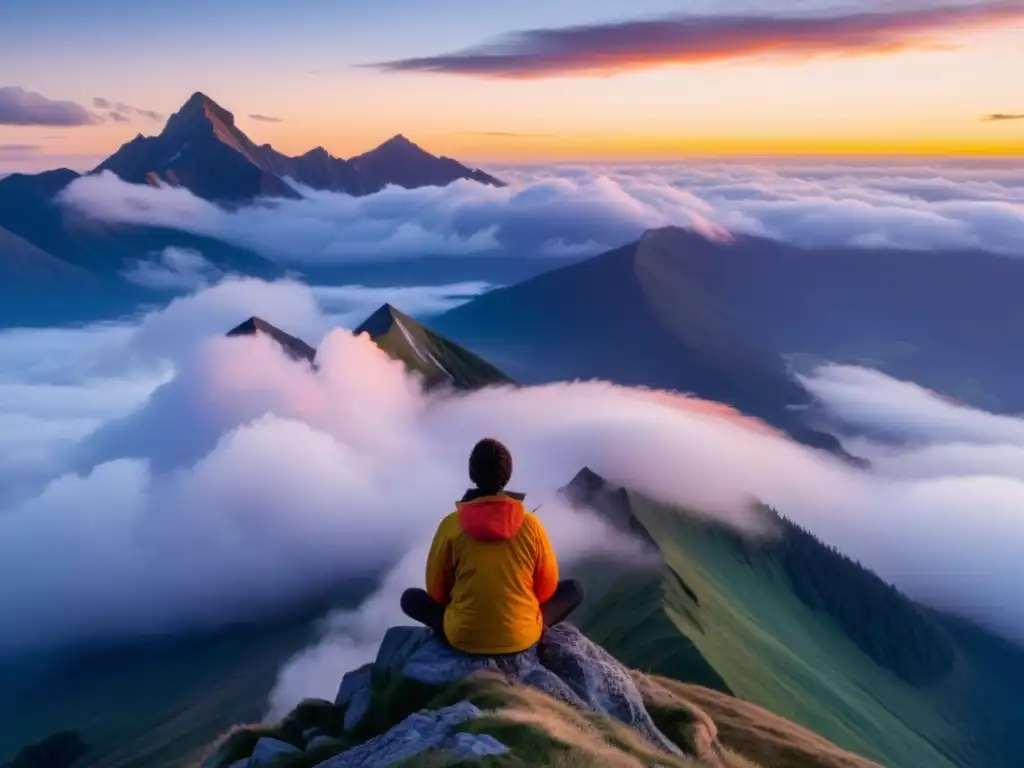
(919, 87)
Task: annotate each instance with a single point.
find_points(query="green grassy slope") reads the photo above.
(722, 613)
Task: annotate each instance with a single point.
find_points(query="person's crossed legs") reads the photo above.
(421, 607)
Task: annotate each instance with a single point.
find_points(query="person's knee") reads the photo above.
(410, 601)
(574, 591)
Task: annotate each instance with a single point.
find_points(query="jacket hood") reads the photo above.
(492, 518)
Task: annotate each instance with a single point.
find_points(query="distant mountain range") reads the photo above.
(203, 150)
(43, 245)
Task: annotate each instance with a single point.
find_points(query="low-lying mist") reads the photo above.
(566, 211)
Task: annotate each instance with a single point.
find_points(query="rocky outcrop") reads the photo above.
(374, 723)
(565, 665)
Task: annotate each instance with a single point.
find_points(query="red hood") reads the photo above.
(491, 518)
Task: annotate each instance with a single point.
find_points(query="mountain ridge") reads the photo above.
(652, 338)
(202, 149)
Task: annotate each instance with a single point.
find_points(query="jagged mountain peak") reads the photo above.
(316, 152)
(202, 149)
(201, 114)
(295, 347)
(200, 105)
(396, 148)
(399, 140)
(379, 322)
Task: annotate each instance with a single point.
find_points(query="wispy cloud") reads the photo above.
(18, 149)
(1000, 117)
(124, 111)
(266, 118)
(21, 107)
(611, 48)
(508, 134)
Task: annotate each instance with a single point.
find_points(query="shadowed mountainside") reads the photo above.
(633, 316)
(678, 310)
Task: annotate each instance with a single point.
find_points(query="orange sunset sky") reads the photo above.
(599, 80)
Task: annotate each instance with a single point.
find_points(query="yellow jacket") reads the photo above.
(492, 565)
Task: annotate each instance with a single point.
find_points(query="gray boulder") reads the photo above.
(565, 665)
(417, 733)
(318, 740)
(353, 682)
(476, 745)
(357, 709)
(267, 749)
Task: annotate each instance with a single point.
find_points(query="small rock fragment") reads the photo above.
(476, 745)
(352, 683)
(267, 749)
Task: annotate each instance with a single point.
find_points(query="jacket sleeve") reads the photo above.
(545, 572)
(440, 569)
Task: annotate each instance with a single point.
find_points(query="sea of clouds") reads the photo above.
(571, 211)
(158, 477)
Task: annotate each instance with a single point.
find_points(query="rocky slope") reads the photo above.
(565, 702)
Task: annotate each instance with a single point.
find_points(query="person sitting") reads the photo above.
(492, 576)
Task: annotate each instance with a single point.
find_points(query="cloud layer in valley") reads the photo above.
(175, 479)
(573, 210)
(172, 269)
(21, 107)
(622, 46)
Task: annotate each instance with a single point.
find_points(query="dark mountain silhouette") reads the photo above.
(634, 316)
(61, 750)
(203, 150)
(399, 161)
(295, 347)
